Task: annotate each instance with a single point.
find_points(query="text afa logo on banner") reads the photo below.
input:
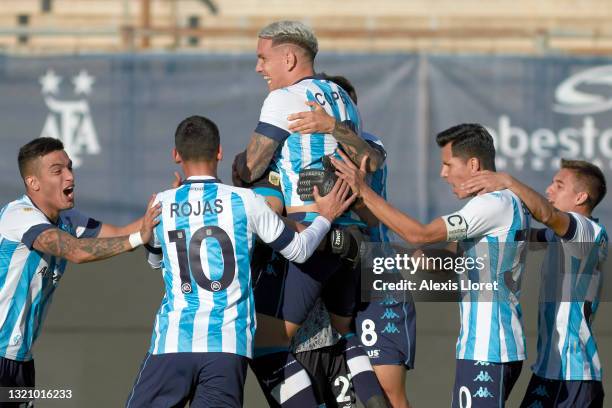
(69, 120)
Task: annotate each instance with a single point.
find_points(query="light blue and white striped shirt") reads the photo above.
(378, 182)
(571, 279)
(297, 152)
(206, 234)
(492, 227)
(28, 277)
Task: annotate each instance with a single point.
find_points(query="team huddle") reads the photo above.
(266, 272)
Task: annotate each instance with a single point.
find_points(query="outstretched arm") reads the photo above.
(318, 121)
(58, 243)
(541, 209)
(253, 162)
(405, 226)
(110, 231)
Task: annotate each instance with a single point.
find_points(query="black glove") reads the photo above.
(346, 242)
(323, 179)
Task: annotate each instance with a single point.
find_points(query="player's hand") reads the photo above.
(315, 120)
(336, 202)
(487, 181)
(176, 183)
(347, 171)
(236, 180)
(150, 220)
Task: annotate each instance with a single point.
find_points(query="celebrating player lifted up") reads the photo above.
(491, 343)
(285, 58)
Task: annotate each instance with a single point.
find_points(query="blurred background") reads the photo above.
(113, 78)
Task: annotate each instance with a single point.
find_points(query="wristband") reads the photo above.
(135, 239)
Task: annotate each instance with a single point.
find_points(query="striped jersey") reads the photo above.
(571, 279)
(316, 332)
(296, 151)
(492, 228)
(28, 277)
(206, 234)
(378, 183)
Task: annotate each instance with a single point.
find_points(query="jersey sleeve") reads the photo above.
(296, 247)
(580, 237)
(273, 121)
(24, 224)
(268, 225)
(82, 226)
(482, 215)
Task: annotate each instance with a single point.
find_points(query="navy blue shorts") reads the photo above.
(288, 290)
(545, 393)
(387, 330)
(202, 379)
(329, 375)
(483, 384)
(15, 374)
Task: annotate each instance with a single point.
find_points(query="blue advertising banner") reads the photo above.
(116, 115)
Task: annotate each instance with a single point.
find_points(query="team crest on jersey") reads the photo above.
(70, 120)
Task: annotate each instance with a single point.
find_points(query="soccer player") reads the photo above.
(387, 328)
(285, 58)
(39, 233)
(491, 343)
(204, 329)
(567, 371)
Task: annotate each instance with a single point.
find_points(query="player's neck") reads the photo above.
(582, 210)
(51, 213)
(301, 72)
(191, 169)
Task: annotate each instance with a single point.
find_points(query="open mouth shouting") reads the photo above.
(69, 193)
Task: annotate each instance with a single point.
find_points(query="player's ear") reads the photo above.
(220, 153)
(176, 156)
(474, 165)
(32, 183)
(581, 198)
(291, 58)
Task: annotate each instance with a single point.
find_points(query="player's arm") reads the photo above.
(299, 246)
(541, 209)
(110, 231)
(365, 214)
(253, 162)
(405, 226)
(56, 242)
(318, 121)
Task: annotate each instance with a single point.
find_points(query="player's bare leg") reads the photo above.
(273, 332)
(392, 379)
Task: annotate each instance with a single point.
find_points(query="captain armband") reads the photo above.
(456, 227)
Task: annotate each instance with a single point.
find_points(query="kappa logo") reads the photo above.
(484, 376)
(391, 328)
(70, 120)
(586, 92)
(389, 314)
(483, 392)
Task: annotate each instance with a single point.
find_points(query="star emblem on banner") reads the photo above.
(83, 83)
(50, 82)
